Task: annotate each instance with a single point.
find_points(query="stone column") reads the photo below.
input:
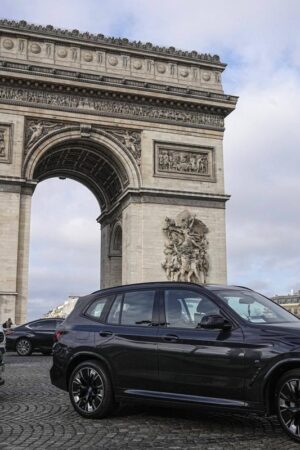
(15, 200)
(23, 255)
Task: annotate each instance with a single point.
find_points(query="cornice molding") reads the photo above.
(119, 43)
(108, 80)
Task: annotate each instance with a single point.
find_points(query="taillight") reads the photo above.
(57, 335)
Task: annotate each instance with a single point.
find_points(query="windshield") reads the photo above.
(255, 308)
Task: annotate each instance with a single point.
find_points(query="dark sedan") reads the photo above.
(33, 336)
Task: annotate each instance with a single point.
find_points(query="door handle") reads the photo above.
(105, 333)
(170, 338)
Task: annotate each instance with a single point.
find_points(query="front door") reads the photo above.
(195, 362)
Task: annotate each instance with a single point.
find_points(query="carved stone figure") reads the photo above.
(2, 143)
(185, 250)
(132, 141)
(36, 129)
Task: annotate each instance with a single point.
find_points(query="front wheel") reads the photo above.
(24, 347)
(90, 390)
(288, 403)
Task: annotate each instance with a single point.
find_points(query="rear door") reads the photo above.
(43, 333)
(128, 340)
(198, 362)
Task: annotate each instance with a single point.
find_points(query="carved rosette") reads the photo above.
(186, 249)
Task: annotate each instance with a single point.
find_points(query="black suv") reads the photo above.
(215, 346)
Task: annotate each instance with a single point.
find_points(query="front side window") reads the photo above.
(185, 309)
(137, 308)
(95, 310)
(255, 308)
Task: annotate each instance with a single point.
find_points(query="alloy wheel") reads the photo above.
(87, 389)
(23, 347)
(289, 406)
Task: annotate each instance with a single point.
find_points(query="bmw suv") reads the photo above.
(224, 347)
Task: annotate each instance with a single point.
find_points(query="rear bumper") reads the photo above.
(58, 377)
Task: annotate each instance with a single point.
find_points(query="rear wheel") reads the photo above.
(90, 390)
(24, 347)
(288, 403)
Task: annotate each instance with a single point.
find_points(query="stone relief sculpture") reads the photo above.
(186, 248)
(132, 141)
(36, 129)
(183, 162)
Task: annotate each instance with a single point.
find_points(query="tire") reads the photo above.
(24, 347)
(288, 403)
(90, 390)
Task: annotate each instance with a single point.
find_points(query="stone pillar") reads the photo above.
(23, 255)
(144, 238)
(15, 200)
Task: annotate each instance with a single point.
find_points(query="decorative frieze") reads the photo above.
(183, 161)
(186, 249)
(5, 143)
(109, 107)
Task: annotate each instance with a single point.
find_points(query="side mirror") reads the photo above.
(215, 322)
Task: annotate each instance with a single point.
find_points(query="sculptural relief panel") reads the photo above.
(186, 248)
(182, 161)
(5, 143)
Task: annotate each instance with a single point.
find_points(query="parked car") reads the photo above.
(2, 351)
(33, 336)
(224, 347)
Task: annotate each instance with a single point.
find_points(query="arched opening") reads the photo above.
(106, 173)
(64, 245)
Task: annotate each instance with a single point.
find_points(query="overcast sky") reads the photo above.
(260, 41)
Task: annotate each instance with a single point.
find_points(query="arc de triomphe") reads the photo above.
(139, 125)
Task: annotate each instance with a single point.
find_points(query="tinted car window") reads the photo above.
(96, 308)
(138, 308)
(185, 309)
(45, 325)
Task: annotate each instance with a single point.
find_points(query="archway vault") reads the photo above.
(99, 161)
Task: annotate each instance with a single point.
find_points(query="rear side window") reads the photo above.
(96, 308)
(133, 308)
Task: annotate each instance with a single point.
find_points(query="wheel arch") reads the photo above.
(87, 356)
(272, 379)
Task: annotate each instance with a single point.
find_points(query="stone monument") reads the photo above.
(140, 125)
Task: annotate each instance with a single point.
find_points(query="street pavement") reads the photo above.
(36, 415)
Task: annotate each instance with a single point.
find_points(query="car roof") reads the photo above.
(155, 284)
